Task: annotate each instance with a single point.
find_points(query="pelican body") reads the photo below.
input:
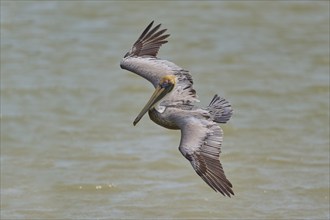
(172, 105)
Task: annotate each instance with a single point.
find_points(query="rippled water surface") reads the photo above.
(68, 146)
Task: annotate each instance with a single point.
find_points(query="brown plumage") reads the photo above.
(173, 106)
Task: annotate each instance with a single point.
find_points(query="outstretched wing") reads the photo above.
(142, 60)
(200, 143)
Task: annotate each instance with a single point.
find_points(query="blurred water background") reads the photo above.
(68, 146)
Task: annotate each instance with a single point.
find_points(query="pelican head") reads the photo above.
(165, 86)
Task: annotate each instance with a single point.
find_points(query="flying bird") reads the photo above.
(172, 105)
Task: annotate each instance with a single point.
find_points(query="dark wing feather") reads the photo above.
(200, 144)
(142, 60)
(149, 42)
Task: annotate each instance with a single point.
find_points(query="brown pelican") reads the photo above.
(172, 106)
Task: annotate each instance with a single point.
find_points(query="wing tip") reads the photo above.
(149, 42)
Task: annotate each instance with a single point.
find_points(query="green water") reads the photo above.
(68, 146)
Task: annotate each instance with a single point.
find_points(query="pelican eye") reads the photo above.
(167, 82)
